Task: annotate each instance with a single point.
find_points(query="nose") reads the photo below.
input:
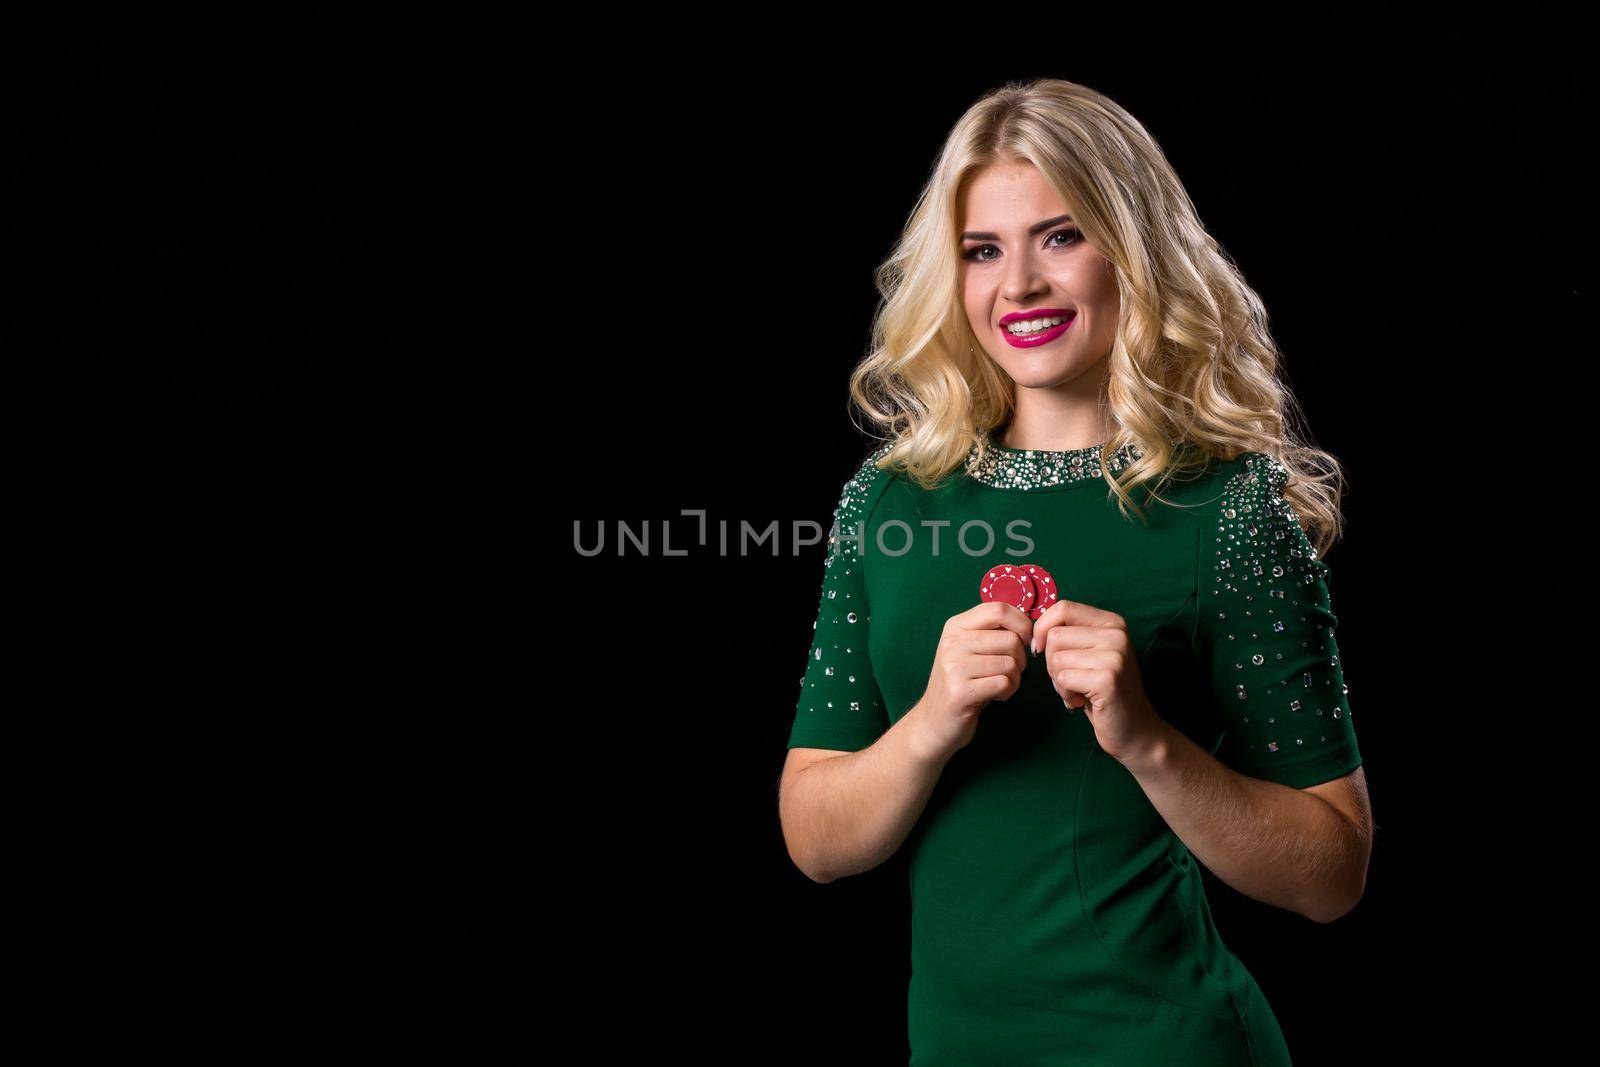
(1022, 279)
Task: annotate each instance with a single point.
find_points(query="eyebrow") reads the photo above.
(1038, 227)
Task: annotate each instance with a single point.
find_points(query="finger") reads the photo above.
(1061, 661)
(984, 666)
(997, 614)
(994, 687)
(1064, 638)
(1073, 613)
(1001, 642)
(1072, 698)
(1083, 659)
(1076, 683)
(1057, 635)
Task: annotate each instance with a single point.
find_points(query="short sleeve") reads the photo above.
(1265, 629)
(840, 706)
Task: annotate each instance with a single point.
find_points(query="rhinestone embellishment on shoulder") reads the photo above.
(1254, 499)
(851, 503)
(1009, 468)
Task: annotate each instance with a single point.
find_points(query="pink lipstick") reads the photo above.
(1043, 337)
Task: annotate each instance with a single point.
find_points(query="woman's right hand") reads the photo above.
(981, 656)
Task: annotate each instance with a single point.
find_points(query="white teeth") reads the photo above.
(1034, 325)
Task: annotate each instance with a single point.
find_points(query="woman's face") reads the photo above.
(1021, 253)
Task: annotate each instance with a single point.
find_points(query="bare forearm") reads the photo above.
(1276, 844)
(848, 814)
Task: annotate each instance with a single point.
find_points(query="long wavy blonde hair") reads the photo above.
(1192, 362)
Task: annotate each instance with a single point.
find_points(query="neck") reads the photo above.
(1058, 428)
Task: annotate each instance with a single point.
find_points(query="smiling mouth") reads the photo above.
(1035, 327)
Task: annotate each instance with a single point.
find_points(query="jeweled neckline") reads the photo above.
(1031, 469)
(1043, 453)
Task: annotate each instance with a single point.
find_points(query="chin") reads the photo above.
(1043, 372)
(1037, 376)
(1035, 380)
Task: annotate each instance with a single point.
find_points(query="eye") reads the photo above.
(1072, 235)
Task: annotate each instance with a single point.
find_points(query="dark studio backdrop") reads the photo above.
(466, 307)
(1358, 190)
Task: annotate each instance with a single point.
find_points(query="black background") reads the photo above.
(386, 309)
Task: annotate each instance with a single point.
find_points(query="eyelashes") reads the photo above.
(1076, 238)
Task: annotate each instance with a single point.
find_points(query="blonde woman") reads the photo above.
(1074, 634)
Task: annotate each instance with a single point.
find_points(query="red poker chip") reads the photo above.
(1047, 593)
(1010, 584)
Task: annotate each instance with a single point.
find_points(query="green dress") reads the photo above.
(1056, 918)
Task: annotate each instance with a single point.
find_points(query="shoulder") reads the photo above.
(1255, 471)
(1258, 536)
(1250, 482)
(868, 469)
(864, 487)
(1253, 488)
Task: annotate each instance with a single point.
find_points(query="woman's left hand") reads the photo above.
(1090, 659)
